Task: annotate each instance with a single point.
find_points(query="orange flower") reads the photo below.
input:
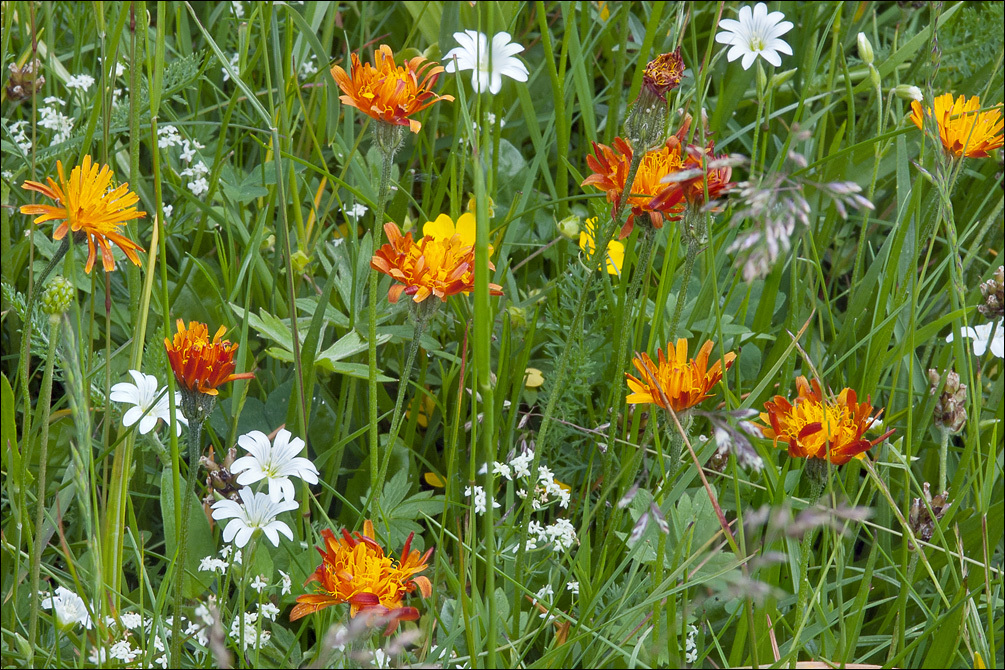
(964, 131)
(821, 428)
(87, 204)
(610, 171)
(201, 365)
(432, 266)
(355, 570)
(692, 189)
(388, 92)
(679, 383)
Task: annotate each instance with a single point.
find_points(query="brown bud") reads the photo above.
(994, 295)
(951, 407)
(24, 81)
(922, 523)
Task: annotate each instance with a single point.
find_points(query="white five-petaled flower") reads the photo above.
(257, 513)
(984, 339)
(275, 462)
(68, 607)
(488, 62)
(151, 403)
(756, 33)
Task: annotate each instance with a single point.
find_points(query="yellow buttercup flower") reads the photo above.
(444, 228)
(677, 382)
(87, 204)
(963, 130)
(615, 249)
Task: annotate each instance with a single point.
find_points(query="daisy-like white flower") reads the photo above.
(257, 513)
(68, 607)
(985, 339)
(489, 62)
(150, 402)
(756, 33)
(274, 461)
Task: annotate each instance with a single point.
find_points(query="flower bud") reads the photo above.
(299, 260)
(647, 121)
(569, 227)
(951, 407)
(517, 316)
(58, 296)
(780, 78)
(865, 51)
(874, 76)
(993, 291)
(905, 92)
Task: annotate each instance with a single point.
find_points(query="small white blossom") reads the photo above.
(151, 403)
(167, 136)
(238, 8)
(257, 513)
(81, 81)
(477, 493)
(53, 119)
(521, 464)
(168, 209)
(268, 610)
(986, 336)
(18, 133)
(562, 533)
(251, 636)
(199, 187)
(757, 33)
(259, 583)
(131, 620)
(502, 469)
(573, 588)
(123, 651)
(68, 607)
(489, 63)
(356, 211)
(690, 648)
(211, 564)
(274, 462)
(235, 62)
(287, 583)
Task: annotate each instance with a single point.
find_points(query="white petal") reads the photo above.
(243, 535)
(780, 45)
(125, 392)
(231, 530)
(271, 533)
(147, 423)
(748, 59)
(131, 416)
(245, 463)
(772, 57)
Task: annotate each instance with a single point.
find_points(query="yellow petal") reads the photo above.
(533, 378)
(466, 228)
(435, 480)
(441, 228)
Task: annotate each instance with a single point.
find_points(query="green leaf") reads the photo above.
(8, 434)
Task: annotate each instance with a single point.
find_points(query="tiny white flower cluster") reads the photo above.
(562, 533)
(308, 67)
(168, 136)
(52, 118)
(480, 498)
(19, 135)
(356, 211)
(547, 488)
(252, 638)
(235, 62)
(81, 81)
(199, 185)
(690, 648)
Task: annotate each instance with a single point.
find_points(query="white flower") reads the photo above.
(983, 340)
(131, 620)
(199, 187)
(167, 211)
(502, 469)
(573, 587)
(268, 610)
(480, 498)
(251, 637)
(68, 607)
(81, 81)
(211, 564)
(151, 403)
(275, 462)
(488, 62)
(356, 211)
(257, 513)
(521, 464)
(123, 651)
(259, 583)
(690, 648)
(287, 583)
(562, 533)
(757, 33)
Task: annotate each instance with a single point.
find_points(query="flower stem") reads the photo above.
(693, 239)
(194, 446)
(388, 139)
(45, 397)
(943, 456)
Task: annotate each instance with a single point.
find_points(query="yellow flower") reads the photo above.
(677, 382)
(816, 427)
(355, 570)
(963, 130)
(201, 365)
(533, 378)
(431, 266)
(388, 92)
(615, 249)
(443, 228)
(87, 204)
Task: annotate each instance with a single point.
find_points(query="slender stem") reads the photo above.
(194, 445)
(943, 456)
(387, 150)
(45, 397)
(692, 253)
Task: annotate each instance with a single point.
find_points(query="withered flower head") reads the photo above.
(951, 407)
(663, 73)
(25, 80)
(993, 291)
(922, 522)
(646, 124)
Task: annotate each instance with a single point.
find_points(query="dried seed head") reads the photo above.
(24, 81)
(993, 291)
(922, 523)
(951, 407)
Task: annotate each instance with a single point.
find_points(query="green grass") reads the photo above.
(271, 251)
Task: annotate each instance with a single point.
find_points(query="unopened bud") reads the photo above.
(569, 227)
(874, 76)
(865, 51)
(951, 407)
(993, 291)
(58, 296)
(299, 260)
(905, 92)
(780, 78)
(517, 316)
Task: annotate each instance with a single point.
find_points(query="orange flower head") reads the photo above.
(663, 73)
(610, 172)
(677, 382)
(388, 92)
(88, 204)
(355, 570)
(963, 130)
(439, 266)
(818, 427)
(201, 365)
